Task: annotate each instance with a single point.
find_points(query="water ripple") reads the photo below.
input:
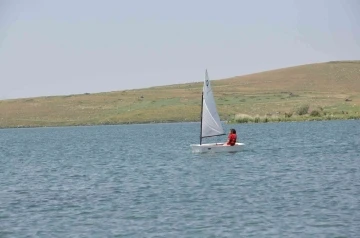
(292, 180)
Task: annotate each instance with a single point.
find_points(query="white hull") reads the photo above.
(216, 147)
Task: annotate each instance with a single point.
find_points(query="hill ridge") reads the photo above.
(332, 86)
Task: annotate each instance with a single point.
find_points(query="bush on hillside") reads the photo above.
(288, 115)
(315, 113)
(302, 110)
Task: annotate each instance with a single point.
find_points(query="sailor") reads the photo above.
(231, 138)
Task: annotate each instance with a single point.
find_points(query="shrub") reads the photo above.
(302, 110)
(315, 113)
(288, 115)
(356, 117)
(242, 120)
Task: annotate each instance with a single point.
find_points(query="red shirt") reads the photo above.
(232, 139)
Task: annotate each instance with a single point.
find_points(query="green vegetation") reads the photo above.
(302, 110)
(314, 115)
(323, 91)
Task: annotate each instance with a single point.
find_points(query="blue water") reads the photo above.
(292, 180)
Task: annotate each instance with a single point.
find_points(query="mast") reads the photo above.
(201, 115)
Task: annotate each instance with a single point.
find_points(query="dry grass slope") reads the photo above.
(332, 87)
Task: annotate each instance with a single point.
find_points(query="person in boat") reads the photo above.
(231, 138)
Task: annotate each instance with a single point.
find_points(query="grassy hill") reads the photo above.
(331, 88)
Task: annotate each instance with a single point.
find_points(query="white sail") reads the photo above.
(211, 125)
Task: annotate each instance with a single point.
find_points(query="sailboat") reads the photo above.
(210, 125)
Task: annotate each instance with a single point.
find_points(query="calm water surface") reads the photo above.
(292, 180)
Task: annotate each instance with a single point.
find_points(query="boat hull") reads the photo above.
(216, 147)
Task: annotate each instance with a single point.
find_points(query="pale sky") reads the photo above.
(60, 47)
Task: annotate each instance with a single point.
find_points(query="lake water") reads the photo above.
(291, 180)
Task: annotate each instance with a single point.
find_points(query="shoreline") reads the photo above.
(249, 120)
(303, 118)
